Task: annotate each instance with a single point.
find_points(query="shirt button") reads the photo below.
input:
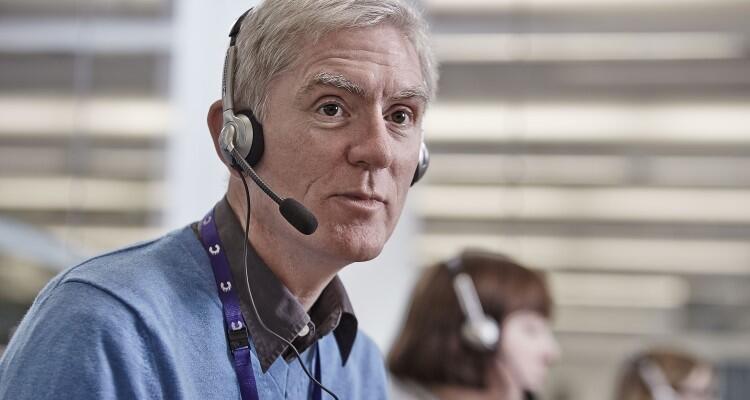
(304, 331)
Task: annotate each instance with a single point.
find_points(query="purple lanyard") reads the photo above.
(234, 322)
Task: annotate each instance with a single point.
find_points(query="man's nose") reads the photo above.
(372, 145)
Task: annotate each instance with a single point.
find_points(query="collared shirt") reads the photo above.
(278, 307)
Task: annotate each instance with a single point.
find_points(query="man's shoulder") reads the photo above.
(151, 257)
(144, 272)
(117, 312)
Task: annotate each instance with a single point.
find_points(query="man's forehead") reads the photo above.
(361, 61)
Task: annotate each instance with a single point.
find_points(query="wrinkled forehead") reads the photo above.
(362, 61)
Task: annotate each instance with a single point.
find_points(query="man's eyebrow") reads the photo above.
(334, 80)
(341, 82)
(417, 91)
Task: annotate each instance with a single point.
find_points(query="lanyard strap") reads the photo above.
(316, 391)
(234, 322)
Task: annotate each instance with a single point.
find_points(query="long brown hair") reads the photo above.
(429, 349)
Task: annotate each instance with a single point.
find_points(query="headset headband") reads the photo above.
(236, 27)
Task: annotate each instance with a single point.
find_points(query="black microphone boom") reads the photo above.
(292, 210)
(299, 216)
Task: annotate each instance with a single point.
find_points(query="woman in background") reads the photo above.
(667, 375)
(477, 328)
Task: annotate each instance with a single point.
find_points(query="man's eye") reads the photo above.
(330, 110)
(400, 117)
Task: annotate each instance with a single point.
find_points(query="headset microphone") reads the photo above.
(293, 211)
(241, 143)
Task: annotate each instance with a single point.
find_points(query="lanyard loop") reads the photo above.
(234, 322)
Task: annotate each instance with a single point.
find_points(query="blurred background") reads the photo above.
(606, 142)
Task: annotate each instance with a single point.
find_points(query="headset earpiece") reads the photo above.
(247, 135)
(656, 382)
(479, 331)
(253, 136)
(241, 130)
(422, 165)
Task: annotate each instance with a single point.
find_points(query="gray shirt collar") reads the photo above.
(277, 306)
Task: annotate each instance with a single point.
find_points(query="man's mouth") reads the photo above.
(361, 200)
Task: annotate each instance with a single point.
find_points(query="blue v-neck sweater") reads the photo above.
(146, 322)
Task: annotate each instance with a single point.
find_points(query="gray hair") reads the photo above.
(273, 34)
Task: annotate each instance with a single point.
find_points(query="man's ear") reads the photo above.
(215, 122)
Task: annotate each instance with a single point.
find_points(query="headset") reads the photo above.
(479, 331)
(242, 130)
(241, 144)
(655, 380)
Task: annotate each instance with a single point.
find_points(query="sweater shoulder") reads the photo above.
(146, 275)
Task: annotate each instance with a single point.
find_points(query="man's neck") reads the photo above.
(303, 274)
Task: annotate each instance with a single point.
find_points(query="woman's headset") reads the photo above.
(244, 132)
(656, 381)
(479, 331)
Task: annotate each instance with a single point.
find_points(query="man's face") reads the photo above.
(342, 132)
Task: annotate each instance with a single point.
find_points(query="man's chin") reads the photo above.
(360, 252)
(367, 255)
(356, 243)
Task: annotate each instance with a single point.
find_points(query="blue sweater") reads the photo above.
(145, 322)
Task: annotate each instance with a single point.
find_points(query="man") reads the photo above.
(336, 90)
